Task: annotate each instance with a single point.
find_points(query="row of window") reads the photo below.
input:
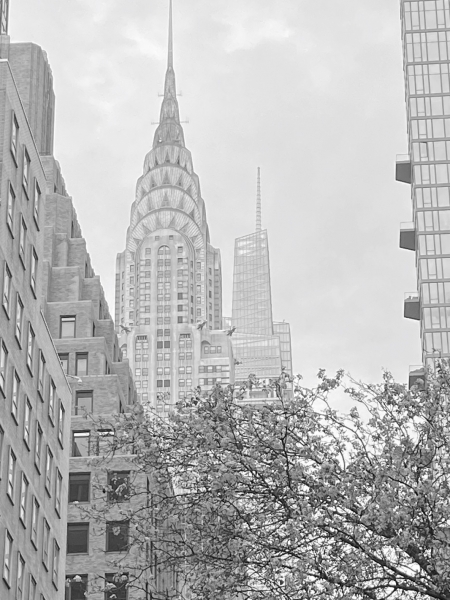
(432, 174)
(431, 151)
(436, 220)
(429, 46)
(212, 368)
(117, 537)
(90, 443)
(437, 342)
(435, 293)
(432, 244)
(437, 318)
(429, 106)
(207, 349)
(432, 197)
(434, 268)
(428, 14)
(430, 128)
(115, 586)
(210, 381)
(428, 79)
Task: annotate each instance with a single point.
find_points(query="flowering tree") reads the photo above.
(293, 499)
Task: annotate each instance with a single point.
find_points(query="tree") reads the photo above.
(295, 500)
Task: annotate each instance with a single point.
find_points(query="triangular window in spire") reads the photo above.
(167, 156)
(178, 160)
(152, 183)
(180, 182)
(189, 190)
(166, 180)
(165, 201)
(156, 161)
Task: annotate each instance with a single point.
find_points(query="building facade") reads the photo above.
(426, 168)
(261, 346)
(169, 278)
(35, 397)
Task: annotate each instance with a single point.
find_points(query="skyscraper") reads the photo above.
(35, 397)
(426, 167)
(168, 279)
(261, 346)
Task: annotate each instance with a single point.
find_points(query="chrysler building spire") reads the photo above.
(169, 130)
(258, 201)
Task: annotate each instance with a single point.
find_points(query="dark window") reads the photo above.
(77, 538)
(67, 327)
(119, 590)
(119, 483)
(83, 402)
(79, 484)
(64, 360)
(117, 536)
(76, 587)
(81, 364)
(81, 443)
(159, 383)
(166, 382)
(166, 344)
(159, 344)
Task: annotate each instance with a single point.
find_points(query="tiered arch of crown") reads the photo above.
(168, 193)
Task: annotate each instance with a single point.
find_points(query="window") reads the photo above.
(117, 536)
(7, 278)
(58, 492)
(7, 558)
(2, 438)
(14, 132)
(36, 202)
(105, 440)
(27, 423)
(55, 566)
(41, 375)
(52, 401)
(119, 486)
(34, 522)
(67, 327)
(23, 499)
(84, 401)
(46, 544)
(3, 367)
(19, 319)
(22, 240)
(32, 588)
(26, 170)
(20, 577)
(81, 443)
(116, 586)
(38, 447)
(76, 587)
(81, 364)
(49, 471)
(61, 419)
(166, 382)
(10, 210)
(79, 484)
(33, 271)
(64, 360)
(30, 348)
(11, 474)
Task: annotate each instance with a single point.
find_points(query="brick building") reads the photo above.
(35, 397)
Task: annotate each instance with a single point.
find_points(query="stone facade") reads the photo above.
(35, 398)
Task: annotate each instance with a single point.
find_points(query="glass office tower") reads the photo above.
(426, 52)
(261, 347)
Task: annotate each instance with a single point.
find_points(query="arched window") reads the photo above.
(164, 250)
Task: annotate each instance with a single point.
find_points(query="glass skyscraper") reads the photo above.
(261, 347)
(426, 55)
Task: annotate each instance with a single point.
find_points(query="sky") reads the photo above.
(311, 92)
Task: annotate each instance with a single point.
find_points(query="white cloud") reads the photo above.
(247, 28)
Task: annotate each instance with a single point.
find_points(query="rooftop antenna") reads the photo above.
(258, 201)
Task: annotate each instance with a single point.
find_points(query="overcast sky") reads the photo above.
(312, 92)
